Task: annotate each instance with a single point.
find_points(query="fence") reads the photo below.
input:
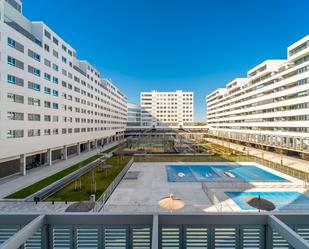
(276, 166)
(107, 193)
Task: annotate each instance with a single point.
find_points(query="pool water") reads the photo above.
(282, 200)
(202, 173)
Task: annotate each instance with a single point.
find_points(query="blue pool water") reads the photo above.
(282, 200)
(201, 173)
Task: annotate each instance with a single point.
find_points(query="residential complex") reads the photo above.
(270, 107)
(53, 105)
(166, 109)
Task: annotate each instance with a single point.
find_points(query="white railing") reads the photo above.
(107, 193)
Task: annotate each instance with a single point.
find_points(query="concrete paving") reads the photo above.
(31, 207)
(15, 183)
(292, 162)
(142, 195)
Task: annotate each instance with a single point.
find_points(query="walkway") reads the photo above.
(291, 162)
(31, 207)
(12, 184)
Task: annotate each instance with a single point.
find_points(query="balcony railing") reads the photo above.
(154, 231)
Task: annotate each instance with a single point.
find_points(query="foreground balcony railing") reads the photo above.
(164, 231)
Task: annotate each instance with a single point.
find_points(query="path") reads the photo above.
(13, 184)
(291, 162)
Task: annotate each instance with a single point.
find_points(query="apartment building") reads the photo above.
(134, 115)
(166, 109)
(52, 105)
(270, 107)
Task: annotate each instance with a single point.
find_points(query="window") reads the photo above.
(34, 55)
(47, 90)
(55, 106)
(46, 47)
(34, 117)
(15, 80)
(11, 61)
(55, 93)
(15, 98)
(64, 60)
(55, 118)
(70, 52)
(47, 104)
(14, 44)
(34, 71)
(47, 34)
(34, 86)
(55, 80)
(47, 118)
(15, 116)
(64, 72)
(47, 63)
(34, 101)
(34, 132)
(64, 48)
(55, 67)
(47, 76)
(11, 42)
(55, 53)
(55, 40)
(47, 132)
(15, 133)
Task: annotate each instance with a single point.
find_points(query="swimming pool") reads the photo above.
(282, 200)
(202, 173)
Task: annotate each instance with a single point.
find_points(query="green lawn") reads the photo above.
(69, 193)
(27, 191)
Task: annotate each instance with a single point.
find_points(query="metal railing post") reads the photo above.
(155, 232)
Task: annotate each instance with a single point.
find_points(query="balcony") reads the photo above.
(153, 231)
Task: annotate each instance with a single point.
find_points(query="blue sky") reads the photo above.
(194, 45)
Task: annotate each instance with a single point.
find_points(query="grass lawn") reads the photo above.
(69, 193)
(27, 191)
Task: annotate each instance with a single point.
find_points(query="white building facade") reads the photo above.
(270, 107)
(167, 109)
(52, 105)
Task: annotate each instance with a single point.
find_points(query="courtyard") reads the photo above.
(155, 181)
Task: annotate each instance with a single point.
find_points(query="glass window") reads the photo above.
(11, 61)
(34, 86)
(55, 80)
(55, 93)
(55, 67)
(47, 90)
(47, 76)
(11, 42)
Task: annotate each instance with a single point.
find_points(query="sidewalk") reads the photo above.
(11, 185)
(291, 162)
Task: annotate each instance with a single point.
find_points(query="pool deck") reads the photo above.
(142, 195)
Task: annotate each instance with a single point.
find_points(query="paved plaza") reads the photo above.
(143, 194)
